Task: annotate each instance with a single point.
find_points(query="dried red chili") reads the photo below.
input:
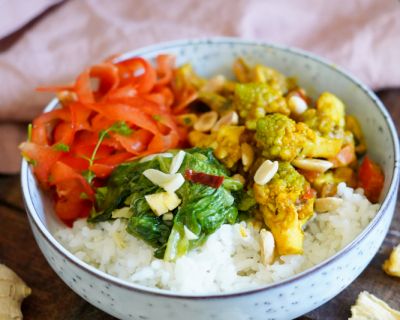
(204, 178)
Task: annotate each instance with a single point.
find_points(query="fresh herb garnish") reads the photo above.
(119, 127)
(30, 132)
(61, 147)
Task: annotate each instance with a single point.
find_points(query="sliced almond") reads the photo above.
(152, 156)
(267, 247)
(297, 105)
(189, 234)
(169, 182)
(206, 121)
(327, 204)
(266, 172)
(247, 155)
(228, 119)
(313, 164)
(215, 84)
(177, 161)
(175, 183)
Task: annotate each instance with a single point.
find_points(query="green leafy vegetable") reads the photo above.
(202, 211)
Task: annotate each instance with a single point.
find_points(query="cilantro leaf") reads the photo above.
(61, 147)
(121, 128)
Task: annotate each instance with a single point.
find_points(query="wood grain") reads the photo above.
(52, 299)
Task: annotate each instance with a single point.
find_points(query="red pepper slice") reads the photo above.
(204, 178)
(371, 179)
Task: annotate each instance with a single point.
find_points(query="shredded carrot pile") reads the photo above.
(114, 112)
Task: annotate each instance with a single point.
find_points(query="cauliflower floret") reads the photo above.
(270, 76)
(282, 138)
(392, 265)
(185, 77)
(254, 100)
(225, 142)
(329, 116)
(261, 74)
(369, 307)
(286, 204)
(353, 126)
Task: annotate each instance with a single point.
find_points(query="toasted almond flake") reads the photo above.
(327, 204)
(177, 162)
(266, 172)
(247, 155)
(228, 119)
(189, 234)
(168, 216)
(175, 183)
(156, 176)
(267, 247)
(297, 105)
(313, 164)
(152, 156)
(215, 84)
(206, 121)
(169, 182)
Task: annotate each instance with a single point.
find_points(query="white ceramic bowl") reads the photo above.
(286, 299)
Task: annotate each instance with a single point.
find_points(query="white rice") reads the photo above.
(227, 262)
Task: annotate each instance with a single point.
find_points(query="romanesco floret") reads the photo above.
(282, 138)
(254, 100)
(286, 207)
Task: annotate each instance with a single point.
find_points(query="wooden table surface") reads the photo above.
(52, 299)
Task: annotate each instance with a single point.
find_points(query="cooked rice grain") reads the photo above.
(228, 261)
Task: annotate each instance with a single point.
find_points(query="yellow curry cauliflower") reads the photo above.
(282, 138)
(285, 207)
(261, 74)
(328, 118)
(225, 142)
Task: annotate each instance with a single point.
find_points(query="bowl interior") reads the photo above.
(211, 57)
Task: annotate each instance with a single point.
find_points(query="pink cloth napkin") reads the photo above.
(362, 36)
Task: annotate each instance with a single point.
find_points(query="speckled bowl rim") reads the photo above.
(34, 217)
